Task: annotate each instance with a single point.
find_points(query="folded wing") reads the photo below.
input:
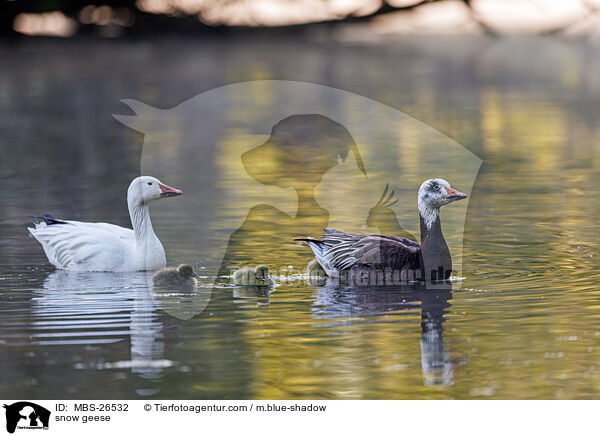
(75, 245)
(337, 250)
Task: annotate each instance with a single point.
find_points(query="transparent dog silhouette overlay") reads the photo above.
(262, 162)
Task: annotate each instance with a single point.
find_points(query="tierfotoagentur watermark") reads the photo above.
(262, 163)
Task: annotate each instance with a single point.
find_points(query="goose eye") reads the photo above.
(435, 187)
(150, 183)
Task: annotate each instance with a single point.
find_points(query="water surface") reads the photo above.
(521, 323)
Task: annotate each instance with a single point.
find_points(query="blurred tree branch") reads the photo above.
(386, 8)
(184, 18)
(591, 10)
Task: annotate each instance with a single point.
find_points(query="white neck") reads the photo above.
(150, 254)
(429, 214)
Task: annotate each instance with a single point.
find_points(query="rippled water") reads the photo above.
(522, 321)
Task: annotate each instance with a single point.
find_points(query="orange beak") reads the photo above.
(167, 191)
(454, 195)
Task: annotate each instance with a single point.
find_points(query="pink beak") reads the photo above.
(454, 195)
(167, 191)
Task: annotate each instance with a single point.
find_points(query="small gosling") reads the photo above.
(248, 276)
(314, 269)
(182, 277)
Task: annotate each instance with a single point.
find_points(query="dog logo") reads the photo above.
(266, 162)
(26, 415)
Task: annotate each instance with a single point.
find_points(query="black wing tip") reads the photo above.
(306, 239)
(309, 240)
(49, 219)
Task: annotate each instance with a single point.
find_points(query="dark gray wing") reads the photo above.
(334, 236)
(347, 250)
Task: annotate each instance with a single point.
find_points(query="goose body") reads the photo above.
(86, 246)
(338, 251)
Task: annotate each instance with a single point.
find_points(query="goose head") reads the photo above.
(433, 194)
(186, 271)
(145, 189)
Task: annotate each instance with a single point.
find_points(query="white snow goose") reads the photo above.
(338, 251)
(84, 246)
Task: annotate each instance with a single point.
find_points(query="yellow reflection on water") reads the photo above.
(522, 324)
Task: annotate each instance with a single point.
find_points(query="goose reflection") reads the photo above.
(334, 301)
(437, 367)
(257, 294)
(94, 308)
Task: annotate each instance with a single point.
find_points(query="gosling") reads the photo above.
(182, 277)
(314, 269)
(248, 276)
